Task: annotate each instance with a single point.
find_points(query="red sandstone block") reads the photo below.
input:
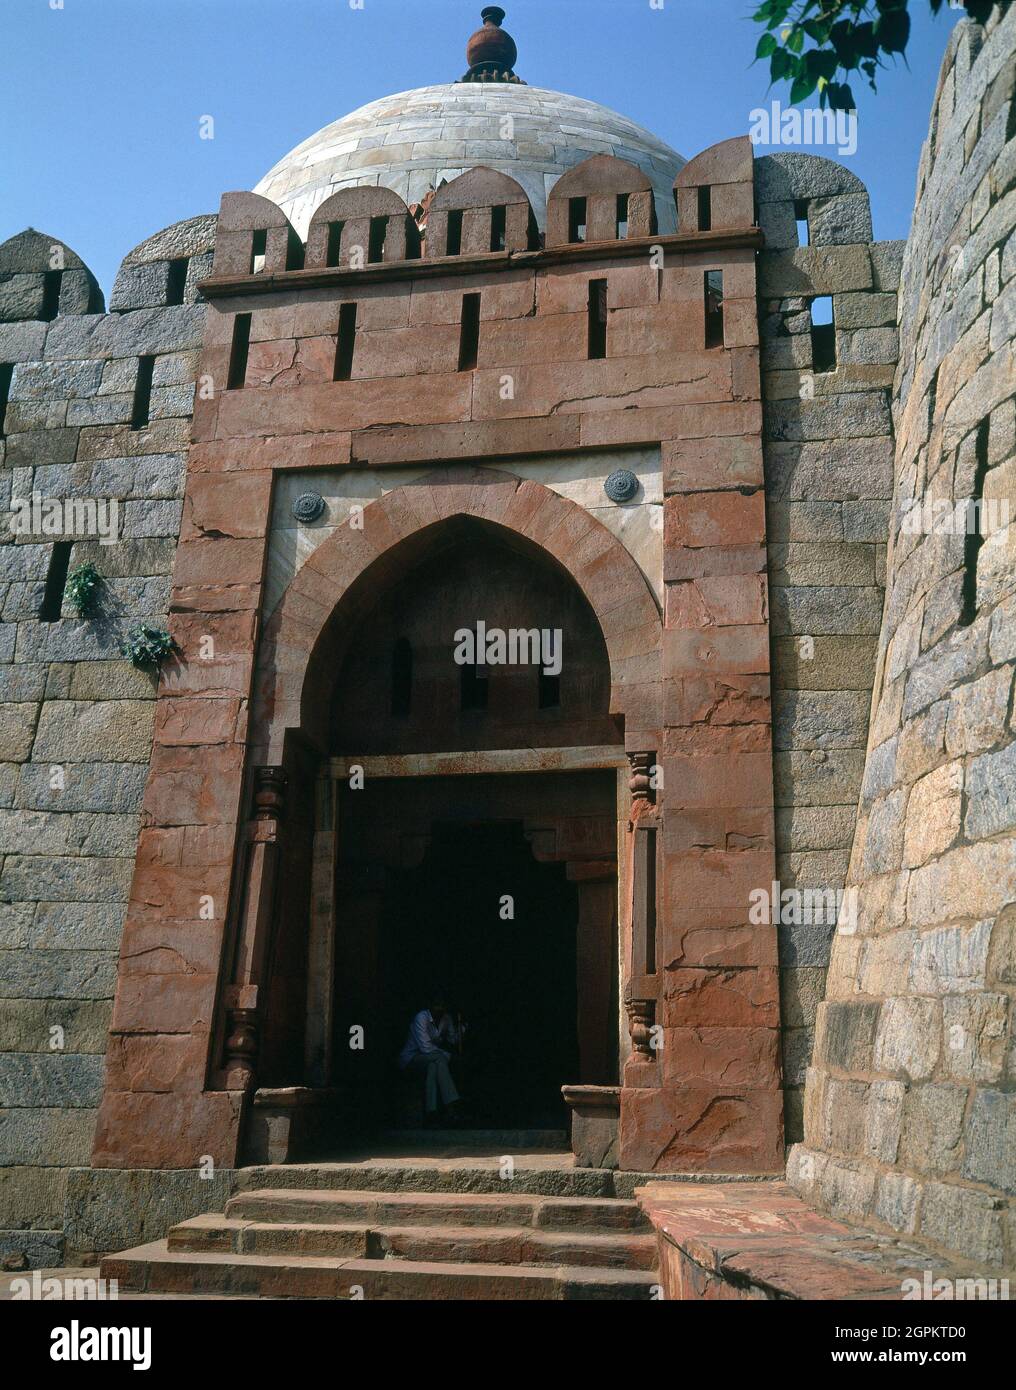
(740, 323)
(268, 361)
(703, 937)
(400, 352)
(215, 654)
(549, 338)
(717, 601)
(716, 827)
(717, 779)
(217, 506)
(217, 561)
(690, 562)
(716, 651)
(674, 327)
(741, 1057)
(345, 405)
(708, 1129)
(565, 289)
(146, 1130)
(471, 440)
(160, 846)
(651, 424)
(745, 380)
(733, 205)
(721, 997)
(182, 893)
(166, 1062)
(710, 740)
(503, 295)
(714, 518)
(633, 286)
(721, 879)
(193, 786)
(325, 450)
(729, 700)
(181, 1003)
(195, 721)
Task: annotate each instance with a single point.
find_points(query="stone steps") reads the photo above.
(587, 1214)
(310, 1241)
(155, 1269)
(462, 1175)
(434, 1244)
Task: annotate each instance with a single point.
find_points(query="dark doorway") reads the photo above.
(481, 921)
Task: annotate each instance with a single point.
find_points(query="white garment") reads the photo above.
(425, 1037)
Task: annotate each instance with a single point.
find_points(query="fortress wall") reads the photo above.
(75, 715)
(828, 460)
(910, 1114)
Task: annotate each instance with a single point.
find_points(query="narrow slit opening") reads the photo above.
(177, 283)
(56, 582)
(597, 319)
(258, 251)
(714, 308)
(142, 406)
(334, 243)
(621, 228)
(377, 239)
(469, 339)
(974, 533)
(6, 373)
(345, 343)
(577, 219)
(823, 334)
(238, 352)
(455, 232)
(498, 228)
(51, 282)
(705, 208)
(801, 218)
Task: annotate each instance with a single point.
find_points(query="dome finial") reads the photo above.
(491, 52)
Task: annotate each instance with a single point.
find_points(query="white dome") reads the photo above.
(413, 141)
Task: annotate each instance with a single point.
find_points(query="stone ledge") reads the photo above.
(760, 1241)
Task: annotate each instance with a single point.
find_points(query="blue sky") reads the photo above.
(101, 99)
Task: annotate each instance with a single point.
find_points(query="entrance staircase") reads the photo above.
(438, 1225)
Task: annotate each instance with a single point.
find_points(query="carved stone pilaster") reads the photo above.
(641, 1018)
(640, 777)
(269, 793)
(241, 1047)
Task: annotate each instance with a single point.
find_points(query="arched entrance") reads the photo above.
(473, 849)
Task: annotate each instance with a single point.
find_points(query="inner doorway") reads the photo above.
(483, 923)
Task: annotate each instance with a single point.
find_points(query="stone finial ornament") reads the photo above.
(491, 52)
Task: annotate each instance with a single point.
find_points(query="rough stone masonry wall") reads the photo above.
(75, 716)
(828, 460)
(910, 1115)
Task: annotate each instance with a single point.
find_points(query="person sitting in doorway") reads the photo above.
(424, 1053)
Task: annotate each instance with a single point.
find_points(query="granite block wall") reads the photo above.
(75, 715)
(910, 1119)
(828, 447)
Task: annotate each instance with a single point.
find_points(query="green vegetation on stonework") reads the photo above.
(816, 44)
(147, 646)
(83, 585)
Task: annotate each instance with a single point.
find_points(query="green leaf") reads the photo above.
(766, 47)
(892, 30)
(795, 42)
(841, 98)
(803, 87)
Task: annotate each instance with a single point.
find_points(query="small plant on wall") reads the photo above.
(83, 586)
(148, 647)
